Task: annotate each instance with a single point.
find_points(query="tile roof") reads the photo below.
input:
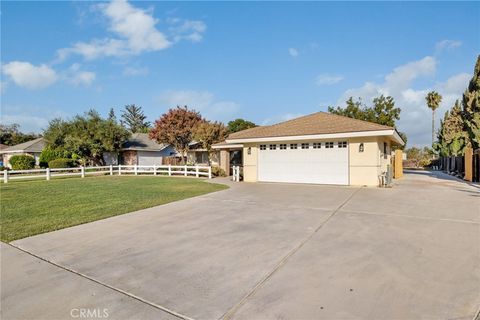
(316, 123)
(141, 141)
(35, 145)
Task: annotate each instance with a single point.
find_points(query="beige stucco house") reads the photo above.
(319, 148)
(32, 148)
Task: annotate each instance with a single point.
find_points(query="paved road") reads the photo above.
(263, 251)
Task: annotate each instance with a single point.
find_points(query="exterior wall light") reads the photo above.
(360, 147)
(249, 150)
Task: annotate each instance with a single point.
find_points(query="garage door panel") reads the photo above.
(321, 166)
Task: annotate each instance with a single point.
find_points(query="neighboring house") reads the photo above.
(32, 147)
(141, 150)
(320, 148)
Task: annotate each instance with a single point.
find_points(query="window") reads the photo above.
(293, 146)
(283, 146)
(317, 145)
(328, 145)
(305, 145)
(342, 144)
(263, 147)
(272, 147)
(385, 145)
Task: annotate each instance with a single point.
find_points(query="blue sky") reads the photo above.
(263, 61)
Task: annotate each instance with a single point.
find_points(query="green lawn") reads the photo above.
(33, 207)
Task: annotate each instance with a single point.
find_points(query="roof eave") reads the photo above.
(373, 133)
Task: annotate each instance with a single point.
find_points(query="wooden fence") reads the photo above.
(166, 170)
(466, 167)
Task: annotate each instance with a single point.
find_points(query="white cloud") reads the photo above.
(25, 74)
(135, 28)
(415, 116)
(281, 118)
(293, 52)
(202, 101)
(78, 77)
(191, 30)
(30, 119)
(3, 87)
(327, 79)
(447, 45)
(133, 71)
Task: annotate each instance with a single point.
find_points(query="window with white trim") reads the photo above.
(293, 146)
(342, 144)
(283, 146)
(317, 145)
(263, 147)
(305, 145)
(272, 147)
(328, 145)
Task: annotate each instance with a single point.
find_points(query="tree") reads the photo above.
(239, 125)
(452, 138)
(208, 133)
(471, 108)
(111, 115)
(134, 119)
(11, 135)
(383, 112)
(433, 100)
(86, 137)
(177, 127)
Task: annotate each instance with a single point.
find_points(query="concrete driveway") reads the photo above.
(263, 251)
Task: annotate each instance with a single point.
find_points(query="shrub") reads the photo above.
(218, 172)
(48, 154)
(22, 162)
(61, 163)
(3, 168)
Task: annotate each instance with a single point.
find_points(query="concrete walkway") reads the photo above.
(263, 251)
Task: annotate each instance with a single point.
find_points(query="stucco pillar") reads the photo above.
(225, 161)
(398, 165)
(468, 164)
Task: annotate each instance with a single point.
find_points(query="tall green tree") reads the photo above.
(86, 137)
(433, 100)
(209, 133)
(471, 108)
(133, 119)
(239, 125)
(177, 127)
(111, 115)
(382, 112)
(452, 138)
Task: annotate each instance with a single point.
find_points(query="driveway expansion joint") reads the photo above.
(231, 312)
(128, 294)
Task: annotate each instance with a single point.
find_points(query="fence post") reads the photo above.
(111, 170)
(119, 169)
(468, 165)
(185, 168)
(135, 169)
(154, 169)
(196, 171)
(169, 169)
(82, 171)
(5, 175)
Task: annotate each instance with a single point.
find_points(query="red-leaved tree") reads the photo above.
(177, 127)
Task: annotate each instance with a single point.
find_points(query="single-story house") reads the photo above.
(33, 148)
(199, 155)
(319, 148)
(139, 149)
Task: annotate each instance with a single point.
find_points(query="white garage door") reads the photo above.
(317, 162)
(149, 158)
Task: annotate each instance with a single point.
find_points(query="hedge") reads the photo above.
(61, 163)
(22, 162)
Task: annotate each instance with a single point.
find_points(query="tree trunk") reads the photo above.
(433, 127)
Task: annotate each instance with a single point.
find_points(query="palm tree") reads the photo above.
(433, 99)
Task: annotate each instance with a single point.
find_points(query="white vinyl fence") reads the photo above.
(168, 170)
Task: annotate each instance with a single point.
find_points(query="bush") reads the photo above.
(48, 154)
(61, 163)
(218, 172)
(22, 162)
(3, 168)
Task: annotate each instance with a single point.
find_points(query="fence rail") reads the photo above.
(167, 170)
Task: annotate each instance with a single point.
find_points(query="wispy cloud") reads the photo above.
(191, 30)
(447, 45)
(281, 118)
(134, 71)
(328, 79)
(293, 52)
(203, 101)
